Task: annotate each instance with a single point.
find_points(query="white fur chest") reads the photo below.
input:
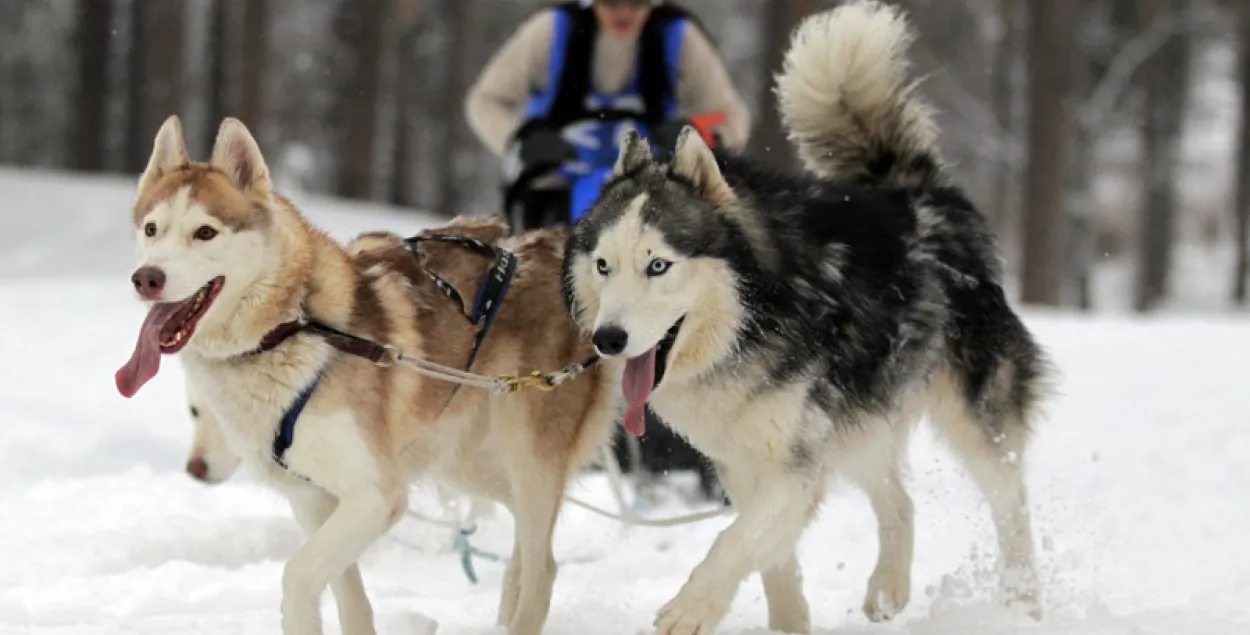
(249, 397)
(723, 420)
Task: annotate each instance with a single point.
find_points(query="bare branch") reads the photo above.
(1094, 113)
(1107, 95)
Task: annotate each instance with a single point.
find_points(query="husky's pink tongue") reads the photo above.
(637, 382)
(145, 361)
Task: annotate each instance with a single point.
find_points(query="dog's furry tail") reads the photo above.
(845, 103)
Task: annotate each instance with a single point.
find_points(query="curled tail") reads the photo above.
(844, 101)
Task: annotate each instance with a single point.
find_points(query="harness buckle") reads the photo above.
(390, 355)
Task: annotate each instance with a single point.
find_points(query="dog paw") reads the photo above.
(692, 613)
(1025, 601)
(790, 624)
(1021, 592)
(888, 594)
(300, 618)
(788, 612)
(1028, 605)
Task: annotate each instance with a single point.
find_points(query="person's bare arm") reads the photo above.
(704, 86)
(495, 105)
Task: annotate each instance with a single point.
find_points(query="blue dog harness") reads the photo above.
(286, 428)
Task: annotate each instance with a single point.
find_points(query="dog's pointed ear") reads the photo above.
(635, 153)
(237, 154)
(169, 152)
(693, 161)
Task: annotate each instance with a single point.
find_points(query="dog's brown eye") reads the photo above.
(602, 266)
(205, 233)
(149, 230)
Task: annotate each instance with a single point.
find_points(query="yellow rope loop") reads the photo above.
(536, 379)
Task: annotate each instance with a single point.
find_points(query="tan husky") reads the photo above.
(268, 315)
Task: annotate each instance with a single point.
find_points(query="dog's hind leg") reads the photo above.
(355, 613)
(990, 442)
(788, 611)
(872, 459)
(537, 491)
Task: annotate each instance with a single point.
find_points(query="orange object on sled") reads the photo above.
(705, 123)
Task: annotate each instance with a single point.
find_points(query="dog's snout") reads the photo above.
(610, 339)
(149, 281)
(198, 468)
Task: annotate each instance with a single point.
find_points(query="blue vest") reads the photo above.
(598, 141)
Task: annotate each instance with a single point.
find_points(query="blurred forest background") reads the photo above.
(1106, 140)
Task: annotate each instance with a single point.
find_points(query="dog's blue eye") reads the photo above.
(658, 267)
(602, 266)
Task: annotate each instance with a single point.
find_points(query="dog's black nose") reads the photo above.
(610, 339)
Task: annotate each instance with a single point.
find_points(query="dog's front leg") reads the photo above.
(510, 590)
(355, 613)
(788, 611)
(361, 516)
(763, 536)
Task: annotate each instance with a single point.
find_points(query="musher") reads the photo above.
(554, 99)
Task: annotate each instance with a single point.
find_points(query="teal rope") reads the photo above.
(460, 542)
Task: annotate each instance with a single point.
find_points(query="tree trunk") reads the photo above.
(1079, 194)
(456, 18)
(1243, 159)
(409, 74)
(253, 66)
(218, 70)
(1003, 91)
(360, 26)
(1090, 68)
(768, 140)
(138, 148)
(1165, 79)
(1050, 124)
(92, 39)
(156, 81)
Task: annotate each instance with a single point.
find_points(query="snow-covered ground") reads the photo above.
(1139, 483)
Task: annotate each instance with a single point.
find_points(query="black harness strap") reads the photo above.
(343, 342)
(575, 78)
(490, 295)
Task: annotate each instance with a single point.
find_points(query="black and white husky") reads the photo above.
(793, 326)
